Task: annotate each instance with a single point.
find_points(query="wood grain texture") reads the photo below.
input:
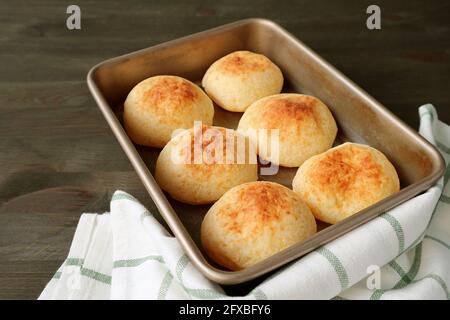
(58, 158)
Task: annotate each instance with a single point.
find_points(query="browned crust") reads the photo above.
(207, 139)
(170, 90)
(260, 205)
(342, 169)
(243, 62)
(295, 109)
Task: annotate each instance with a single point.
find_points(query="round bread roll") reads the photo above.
(344, 180)
(306, 127)
(200, 164)
(253, 221)
(240, 78)
(157, 106)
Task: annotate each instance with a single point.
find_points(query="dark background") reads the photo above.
(58, 158)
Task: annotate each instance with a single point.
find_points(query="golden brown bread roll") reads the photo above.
(240, 78)
(306, 127)
(254, 221)
(344, 180)
(157, 106)
(202, 174)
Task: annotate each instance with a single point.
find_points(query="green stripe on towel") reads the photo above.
(338, 298)
(336, 264)
(74, 262)
(123, 196)
(181, 265)
(198, 293)
(394, 265)
(101, 277)
(136, 262)
(429, 113)
(259, 294)
(398, 230)
(406, 278)
(204, 293)
(165, 284)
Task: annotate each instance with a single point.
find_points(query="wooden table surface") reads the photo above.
(58, 158)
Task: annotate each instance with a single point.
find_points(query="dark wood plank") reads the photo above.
(58, 157)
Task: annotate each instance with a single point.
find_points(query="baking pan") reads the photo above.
(360, 118)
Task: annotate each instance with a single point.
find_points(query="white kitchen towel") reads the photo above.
(127, 254)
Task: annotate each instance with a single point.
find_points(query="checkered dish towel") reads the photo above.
(127, 254)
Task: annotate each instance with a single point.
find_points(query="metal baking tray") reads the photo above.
(360, 118)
